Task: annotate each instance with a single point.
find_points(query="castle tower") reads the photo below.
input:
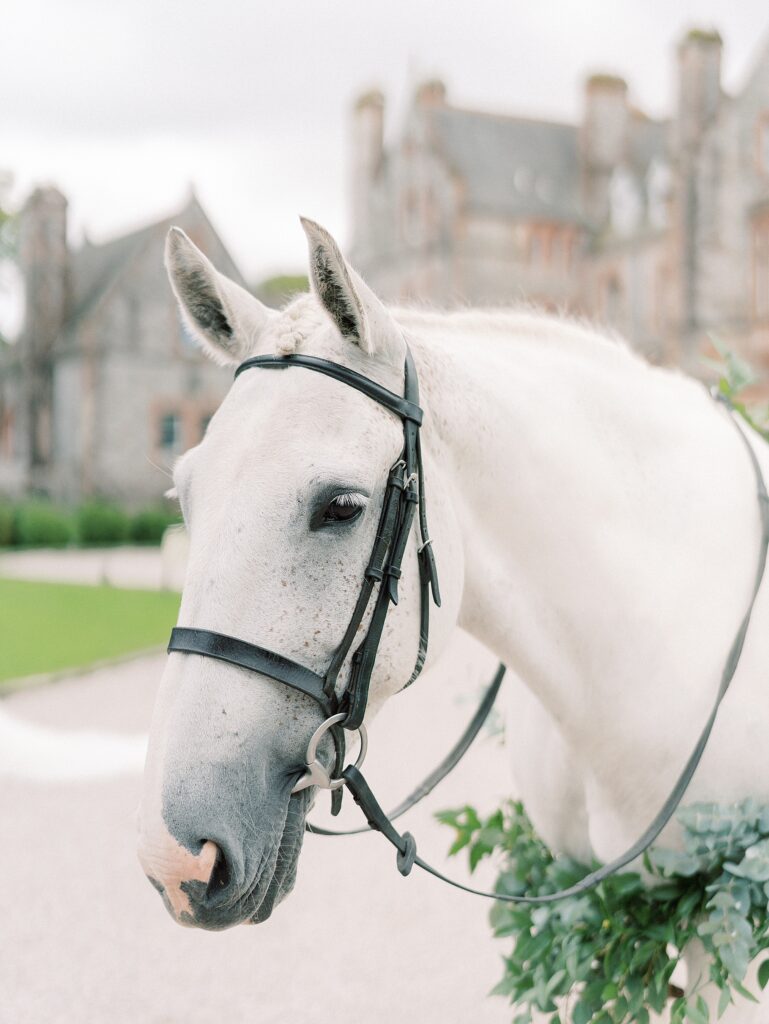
(699, 85)
(367, 151)
(699, 98)
(43, 260)
(603, 142)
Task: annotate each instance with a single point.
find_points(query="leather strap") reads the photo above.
(256, 659)
(406, 845)
(407, 410)
(438, 774)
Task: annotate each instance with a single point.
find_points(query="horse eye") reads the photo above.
(344, 508)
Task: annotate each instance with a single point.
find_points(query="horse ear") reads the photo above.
(221, 315)
(355, 310)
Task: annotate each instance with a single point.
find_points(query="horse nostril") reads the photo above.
(220, 875)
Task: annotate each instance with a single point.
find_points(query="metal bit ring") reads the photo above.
(316, 774)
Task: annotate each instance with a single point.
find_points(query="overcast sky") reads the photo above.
(124, 104)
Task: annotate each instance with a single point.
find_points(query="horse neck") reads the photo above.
(587, 486)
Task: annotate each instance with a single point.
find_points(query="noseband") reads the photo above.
(346, 709)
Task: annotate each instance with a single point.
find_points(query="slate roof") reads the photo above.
(511, 166)
(94, 267)
(648, 141)
(516, 167)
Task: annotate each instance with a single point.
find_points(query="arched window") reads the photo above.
(6, 434)
(762, 142)
(613, 299)
(170, 432)
(536, 247)
(761, 269)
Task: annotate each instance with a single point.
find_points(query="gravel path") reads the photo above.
(132, 567)
(85, 940)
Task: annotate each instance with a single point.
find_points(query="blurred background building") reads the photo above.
(103, 388)
(659, 229)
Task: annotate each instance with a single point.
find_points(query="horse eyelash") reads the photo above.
(350, 499)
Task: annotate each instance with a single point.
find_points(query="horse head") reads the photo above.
(281, 501)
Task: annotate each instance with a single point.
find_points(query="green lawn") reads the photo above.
(50, 626)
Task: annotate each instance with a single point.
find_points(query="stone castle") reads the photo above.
(103, 389)
(659, 229)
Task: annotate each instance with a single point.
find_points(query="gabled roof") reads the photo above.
(94, 268)
(511, 166)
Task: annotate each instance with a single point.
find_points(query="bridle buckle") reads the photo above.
(317, 774)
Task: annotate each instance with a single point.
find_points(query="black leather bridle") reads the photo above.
(404, 497)
(345, 710)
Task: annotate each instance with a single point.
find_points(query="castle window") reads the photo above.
(613, 300)
(660, 311)
(410, 216)
(170, 432)
(536, 247)
(761, 269)
(763, 142)
(556, 247)
(570, 247)
(6, 434)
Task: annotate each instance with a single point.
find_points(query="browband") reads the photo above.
(400, 406)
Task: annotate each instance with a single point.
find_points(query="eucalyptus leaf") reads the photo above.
(754, 864)
(724, 1001)
(614, 948)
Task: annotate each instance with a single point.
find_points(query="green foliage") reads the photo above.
(149, 525)
(7, 525)
(734, 376)
(101, 523)
(40, 524)
(276, 291)
(607, 956)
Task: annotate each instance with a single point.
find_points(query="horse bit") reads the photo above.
(404, 495)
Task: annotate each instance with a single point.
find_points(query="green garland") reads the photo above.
(607, 956)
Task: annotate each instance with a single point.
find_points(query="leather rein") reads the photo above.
(404, 500)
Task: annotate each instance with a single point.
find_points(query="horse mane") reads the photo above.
(522, 320)
(575, 334)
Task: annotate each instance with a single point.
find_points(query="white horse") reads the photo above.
(595, 524)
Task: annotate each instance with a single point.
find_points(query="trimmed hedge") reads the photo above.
(149, 525)
(100, 523)
(7, 525)
(39, 523)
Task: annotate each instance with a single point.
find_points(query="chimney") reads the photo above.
(44, 264)
(366, 158)
(431, 93)
(699, 84)
(603, 141)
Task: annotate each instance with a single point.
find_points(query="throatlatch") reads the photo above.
(404, 495)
